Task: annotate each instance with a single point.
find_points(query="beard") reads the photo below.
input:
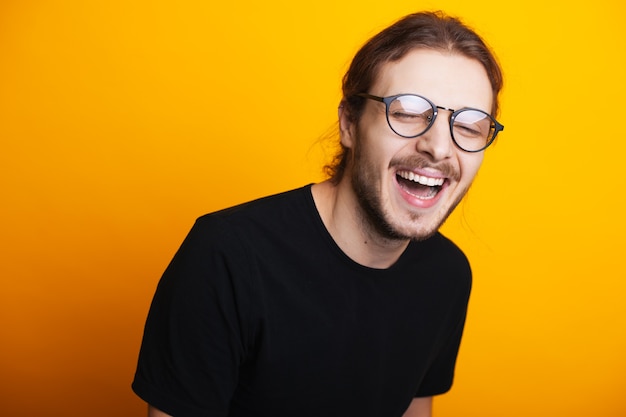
(365, 180)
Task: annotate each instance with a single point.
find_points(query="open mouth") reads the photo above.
(419, 186)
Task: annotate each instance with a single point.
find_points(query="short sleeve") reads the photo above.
(195, 335)
(440, 375)
(455, 276)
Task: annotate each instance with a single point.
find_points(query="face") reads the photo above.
(406, 188)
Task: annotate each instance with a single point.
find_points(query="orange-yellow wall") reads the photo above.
(122, 121)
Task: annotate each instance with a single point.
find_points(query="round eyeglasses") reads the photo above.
(410, 115)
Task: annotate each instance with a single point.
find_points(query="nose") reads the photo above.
(437, 141)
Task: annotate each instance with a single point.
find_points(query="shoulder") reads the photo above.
(442, 261)
(250, 226)
(223, 249)
(438, 249)
(275, 206)
(446, 247)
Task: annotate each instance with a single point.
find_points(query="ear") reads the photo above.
(347, 127)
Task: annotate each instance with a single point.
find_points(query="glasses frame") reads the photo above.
(497, 126)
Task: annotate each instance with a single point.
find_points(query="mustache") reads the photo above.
(419, 162)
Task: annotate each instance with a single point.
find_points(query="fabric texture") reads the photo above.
(260, 313)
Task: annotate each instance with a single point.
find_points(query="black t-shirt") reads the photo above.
(260, 313)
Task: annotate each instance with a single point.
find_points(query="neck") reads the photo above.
(348, 225)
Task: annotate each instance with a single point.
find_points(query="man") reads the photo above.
(340, 298)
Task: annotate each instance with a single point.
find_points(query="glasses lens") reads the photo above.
(473, 129)
(410, 115)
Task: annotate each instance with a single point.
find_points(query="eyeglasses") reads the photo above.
(410, 115)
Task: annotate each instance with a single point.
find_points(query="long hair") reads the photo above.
(426, 30)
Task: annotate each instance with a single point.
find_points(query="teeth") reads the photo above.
(420, 179)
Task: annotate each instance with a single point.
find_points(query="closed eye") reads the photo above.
(410, 117)
(467, 130)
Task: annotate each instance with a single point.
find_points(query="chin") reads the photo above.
(420, 230)
(421, 226)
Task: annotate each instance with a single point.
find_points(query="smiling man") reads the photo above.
(339, 298)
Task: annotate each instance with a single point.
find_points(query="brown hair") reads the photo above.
(429, 30)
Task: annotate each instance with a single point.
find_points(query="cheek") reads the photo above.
(376, 152)
(379, 142)
(470, 164)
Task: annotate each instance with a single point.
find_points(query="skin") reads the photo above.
(368, 213)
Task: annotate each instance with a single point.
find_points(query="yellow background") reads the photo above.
(122, 121)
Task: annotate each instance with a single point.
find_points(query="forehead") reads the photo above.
(448, 79)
